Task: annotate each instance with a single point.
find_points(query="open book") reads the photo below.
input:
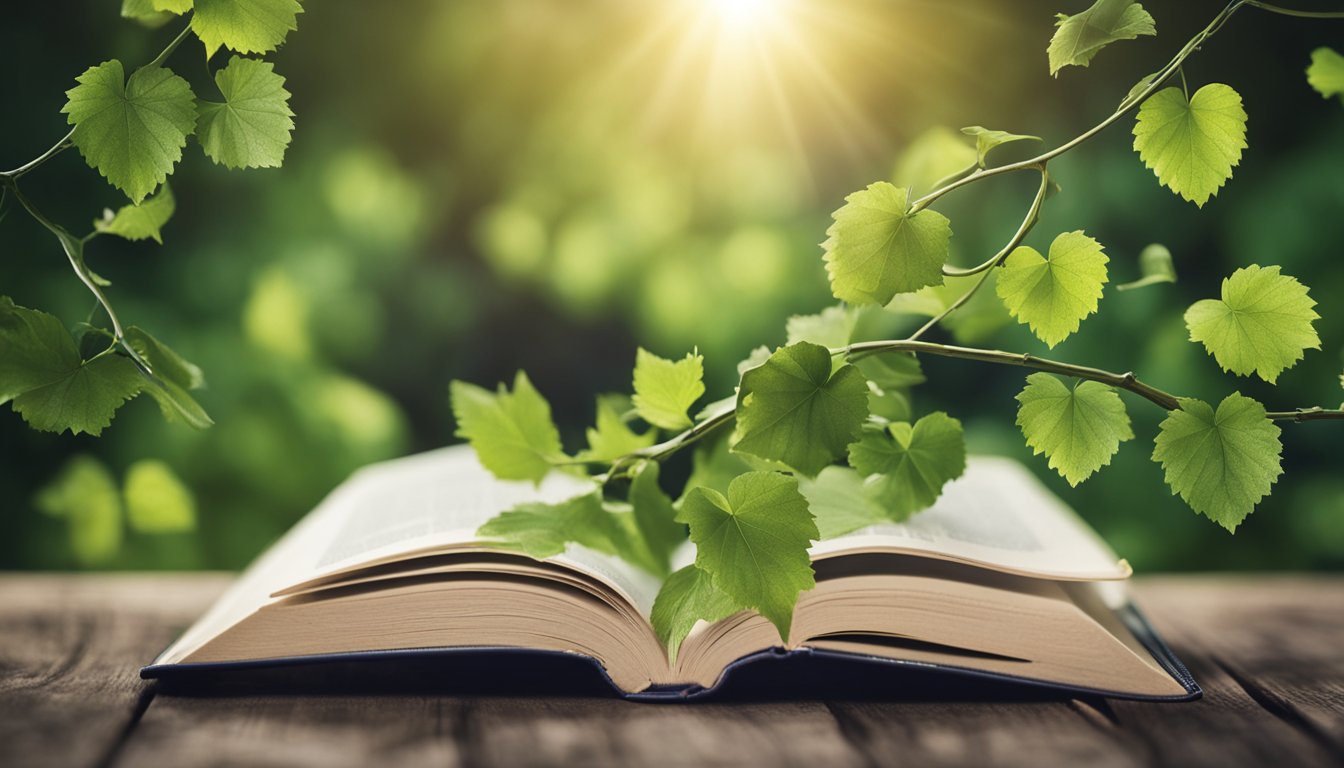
(998, 579)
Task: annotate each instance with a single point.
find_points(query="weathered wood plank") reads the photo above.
(70, 653)
(1024, 733)
(607, 732)
(1267, 651)
(328, 731)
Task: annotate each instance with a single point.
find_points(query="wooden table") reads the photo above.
(1268, 650)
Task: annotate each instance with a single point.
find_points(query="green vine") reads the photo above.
(132, 131)
(825, 421)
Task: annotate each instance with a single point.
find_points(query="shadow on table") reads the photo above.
(505, 673)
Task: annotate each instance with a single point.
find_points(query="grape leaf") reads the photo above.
(251, 128)
(156, 500)
(987, 139)
(665, 390)
(611, 438)
(891, 370)
(1222, 463)
(1078, 428)
(138, 222)
(172, 377)
(755, 359)
(1155, 266)
(163, 361)
(49, 385)
(86, 396)
(932, 157)
(1192, 145)
(542, 530)
(1263, 323)
(512, 432)
(176, 7)
(794, 410)
(1326, 73)
(753, 542)
(912, 464)
(840, 502)
(832, 327)
(655, 517)
(245, 26)
(688, 596)
(131, 130)
(145, 12)
(1079, 37)
(1053, 295)
(876, 248)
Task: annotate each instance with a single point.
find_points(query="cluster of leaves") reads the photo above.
(132, 130)
(825, 440)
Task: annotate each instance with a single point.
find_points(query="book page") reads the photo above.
(428, 503)
(997, 515)
(434, 502)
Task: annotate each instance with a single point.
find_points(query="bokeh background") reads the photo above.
(484, 185)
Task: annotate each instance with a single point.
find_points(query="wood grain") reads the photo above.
(1268, 650)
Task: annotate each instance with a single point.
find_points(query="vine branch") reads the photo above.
(1126, 381)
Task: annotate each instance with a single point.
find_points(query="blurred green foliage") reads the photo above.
(480, 186)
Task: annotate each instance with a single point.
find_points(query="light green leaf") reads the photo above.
(132, 131)
(931, 158)
(1078, 428)
(50, 386)
(84, 398)
(1053, 295)
(144, 12)
(1326, 73)
(794, 410)
(1079, 37)
(832, 327)
(1192, 145)
(512, 432)
(755, 359)
(37, 350)
(85, 494)
(840, 502)
(176, 7)
(165, 363)
(753, 542)
(891, 370)
(172, 378)
(251, 128)
(911, 464)
(1222, 463)
(137, 222)
(876, 248)
(655, 517)
(543, 530)
(1263, 323)
(987, 139)
(665, 390)
(611, 438)
(245, 26)
(688, 596)
(156, 500)
(1155, 266)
